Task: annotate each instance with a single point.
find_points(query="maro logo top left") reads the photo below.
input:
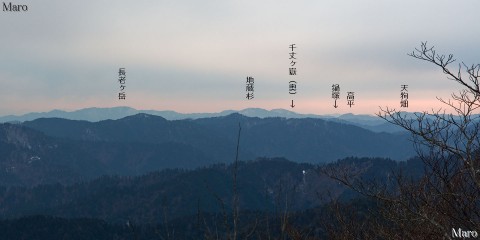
(14, 7)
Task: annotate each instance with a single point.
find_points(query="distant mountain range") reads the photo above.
(114, 113)
(52, 149)
(369, 122)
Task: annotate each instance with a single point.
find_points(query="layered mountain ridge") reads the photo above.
(58, 150)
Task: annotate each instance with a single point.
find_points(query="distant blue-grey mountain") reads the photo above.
(114, 113)
(369, 122)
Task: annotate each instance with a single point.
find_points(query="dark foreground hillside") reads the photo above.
(190, 202)
(315, 223)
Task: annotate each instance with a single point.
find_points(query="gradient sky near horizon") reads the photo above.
(194, 56)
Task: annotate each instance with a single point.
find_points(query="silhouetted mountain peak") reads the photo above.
(143, 117)
(235, 115)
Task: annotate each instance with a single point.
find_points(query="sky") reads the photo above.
(194, 56)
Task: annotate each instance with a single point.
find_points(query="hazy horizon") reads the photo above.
(160, 110)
